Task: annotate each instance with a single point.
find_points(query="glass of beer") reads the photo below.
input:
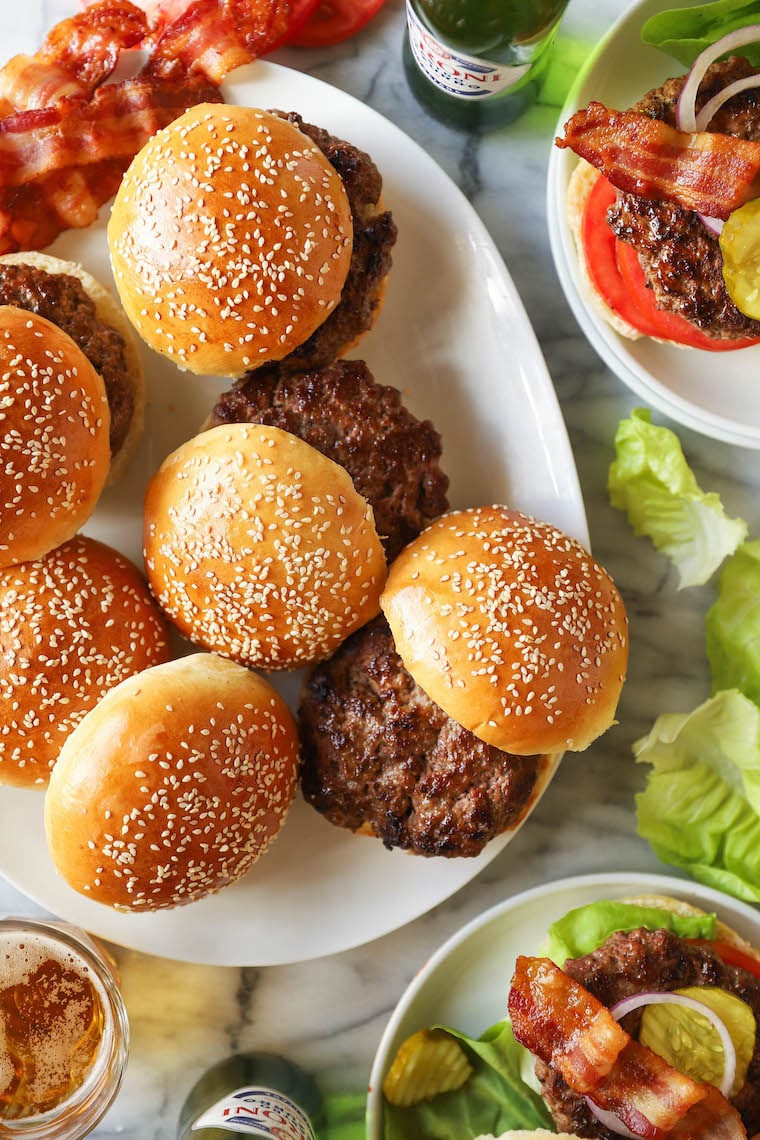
(64, 1035)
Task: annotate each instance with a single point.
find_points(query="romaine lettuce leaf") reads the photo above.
(493, 1099)
(585, 929)
(652, 482)
(685, 32)
(733, 625)
(700, 809)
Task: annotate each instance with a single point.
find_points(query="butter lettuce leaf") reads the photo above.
(585, 929)
(685, 32)
(733, 625)
(494, 1099)
(700, 809)
(652, 482)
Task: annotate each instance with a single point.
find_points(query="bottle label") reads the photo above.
(463, 76)
(258, 1112)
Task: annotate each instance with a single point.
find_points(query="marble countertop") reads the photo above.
(328, 1014)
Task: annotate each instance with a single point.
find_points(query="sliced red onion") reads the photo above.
(712, 106)
(627, 1005)
(686, 118)
(609, 1120)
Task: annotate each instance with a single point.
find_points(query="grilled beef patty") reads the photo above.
(380, 757)
(340, 410)
(374, 238)
(680, 256)
(63, 300)
(643, 961)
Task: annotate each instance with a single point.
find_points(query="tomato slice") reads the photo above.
(616, 271)
(301, 12)
(334, 21)
(731, 955)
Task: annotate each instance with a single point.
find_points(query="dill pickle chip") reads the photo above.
(740, 245)
(427, 1063)
(690, 1043)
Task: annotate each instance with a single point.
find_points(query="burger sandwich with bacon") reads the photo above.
(643, 1017)
(638, 1017)
(663, 205)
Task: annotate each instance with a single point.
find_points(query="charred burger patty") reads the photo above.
(380, 757)
(392, 457)
(643, 961)
(680, 256)
(374, 237)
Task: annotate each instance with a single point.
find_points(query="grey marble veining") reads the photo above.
(329, 1013)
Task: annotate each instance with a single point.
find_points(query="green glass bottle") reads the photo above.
(477, 64)
(259, 1093)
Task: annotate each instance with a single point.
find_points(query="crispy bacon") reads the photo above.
(114, 124)
(78, 54)
(563, 1024)
(213, 37)
(67, 135)
(709, 173)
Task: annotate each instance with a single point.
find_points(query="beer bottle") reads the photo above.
(478, 64)
(262, 1092)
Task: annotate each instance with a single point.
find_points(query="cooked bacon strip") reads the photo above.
(78, 54)
(115, 123)
(713, 1117)
(213, 37)
(563, 1024)
(710, 173)
(583, 1042)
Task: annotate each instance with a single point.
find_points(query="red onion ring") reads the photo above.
(628, 1005)
(686, 115)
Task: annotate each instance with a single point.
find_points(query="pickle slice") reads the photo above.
(740, 245)
(690, 1043)
(427, 1063)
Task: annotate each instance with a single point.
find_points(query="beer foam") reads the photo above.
(51, 1015)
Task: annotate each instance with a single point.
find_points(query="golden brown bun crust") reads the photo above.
(110, 313)
(173, 785)
(247, 269)
(72, 625)
(54, 423)
(511, 627)
(259, 548)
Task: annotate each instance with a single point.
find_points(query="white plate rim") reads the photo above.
(611, 347)
(629, 881)
(148, 932)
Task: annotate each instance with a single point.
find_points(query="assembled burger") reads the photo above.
(648, 201)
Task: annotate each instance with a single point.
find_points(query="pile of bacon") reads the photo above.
(704, 171)
(570, 1030)
(69, 128)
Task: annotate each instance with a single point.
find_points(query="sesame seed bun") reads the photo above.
(259, 548)
(110, 313)
(173, 785)
(54, 450)
(72, 625)
(511, 627)
(230, 239)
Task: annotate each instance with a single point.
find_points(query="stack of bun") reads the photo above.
(245, 245)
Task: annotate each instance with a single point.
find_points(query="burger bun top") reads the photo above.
(230, 239)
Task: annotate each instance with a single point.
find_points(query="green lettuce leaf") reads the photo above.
(652, 482)
(685, 32)
(584, 929)
(493, 1100)
(700, 809)
(733, 625)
